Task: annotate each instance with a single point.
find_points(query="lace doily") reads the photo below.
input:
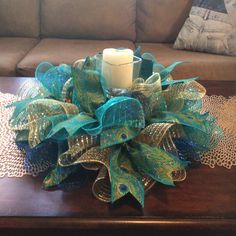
(14, 164)
(225, 111)
(12, 160)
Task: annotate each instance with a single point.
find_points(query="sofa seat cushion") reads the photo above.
(12, 50)
(206, 66)
(67, 51)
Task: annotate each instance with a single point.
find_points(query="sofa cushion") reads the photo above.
(211, 27)
(161, 20)
(12, 51)
(66, 51)
(83, 19)
(19, 18)
(207, 66)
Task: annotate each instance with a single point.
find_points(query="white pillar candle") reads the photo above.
(117, 67)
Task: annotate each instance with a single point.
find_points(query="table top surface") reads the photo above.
(207, 198)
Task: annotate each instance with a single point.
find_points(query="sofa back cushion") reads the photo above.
(161, 20)
(19, 18)
(88, 19)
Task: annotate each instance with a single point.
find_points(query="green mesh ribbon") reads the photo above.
(147, 134)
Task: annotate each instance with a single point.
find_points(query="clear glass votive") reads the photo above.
(79, 63)
(117, 78)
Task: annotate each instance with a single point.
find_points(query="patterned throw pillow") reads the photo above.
(211, 27)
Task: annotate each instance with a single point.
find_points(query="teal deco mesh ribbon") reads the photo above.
(149, 133)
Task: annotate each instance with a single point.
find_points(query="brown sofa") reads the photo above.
(62, 31)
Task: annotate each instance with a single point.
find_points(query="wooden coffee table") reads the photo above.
(204, 202)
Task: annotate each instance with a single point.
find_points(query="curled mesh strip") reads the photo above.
(12, 159)
(225, 111)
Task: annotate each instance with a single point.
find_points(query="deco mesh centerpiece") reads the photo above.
(147, 133)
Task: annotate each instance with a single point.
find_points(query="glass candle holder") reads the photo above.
(79, 63)
(118, 78)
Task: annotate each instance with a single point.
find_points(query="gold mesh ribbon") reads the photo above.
(161, 135)
(97, 159)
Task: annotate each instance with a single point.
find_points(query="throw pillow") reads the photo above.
(211, 27)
